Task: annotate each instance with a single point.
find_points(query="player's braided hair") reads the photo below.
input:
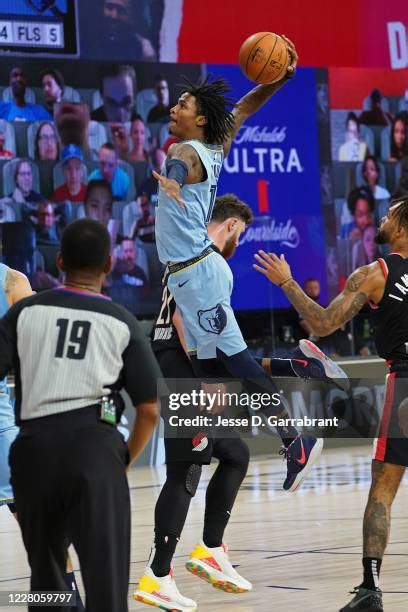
(213, 103)
(400, 213)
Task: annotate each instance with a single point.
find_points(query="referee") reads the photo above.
(73, 350)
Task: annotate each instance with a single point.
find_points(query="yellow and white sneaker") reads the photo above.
(214, 566)
(162, 593)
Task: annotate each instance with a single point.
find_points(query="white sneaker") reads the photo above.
(162, 593)
(213, 565)
(331, 369)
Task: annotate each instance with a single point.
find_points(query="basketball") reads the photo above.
(263, 57)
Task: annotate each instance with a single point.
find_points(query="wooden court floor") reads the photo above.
(301, 551)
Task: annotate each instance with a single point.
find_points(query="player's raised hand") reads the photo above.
(291, 70)
(273, 267)
(170, 187)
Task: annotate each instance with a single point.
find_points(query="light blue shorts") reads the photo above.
(8, 433)
(202, 293)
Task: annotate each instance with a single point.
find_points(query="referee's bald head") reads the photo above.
(85, 246)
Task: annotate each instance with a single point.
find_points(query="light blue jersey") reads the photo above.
(181, 233)
(8, 430)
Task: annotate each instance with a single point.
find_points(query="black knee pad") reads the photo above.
(193, 478)
(233, 451)
(186, 475)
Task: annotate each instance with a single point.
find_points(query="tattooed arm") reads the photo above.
(16, 286)
(196, 171)
(365, 283)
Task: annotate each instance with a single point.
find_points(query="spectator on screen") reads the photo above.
(19, 109)
(125, 269)
(399, 138)
(138, 138)
(23, 177)
(149, 185)
(365, 251)
(46, 223)
(361, 205)
(73, 189)
(143, 228)
(46, 142)
(72, 121)
(120, 140)
(353, 149)
(160, 113)
(46, 226)
(402, 187)
(110, 171)
(371, 174)
(120, 24)
(118, 90)
(99, 205)
(99, 201)
(53, 86)
(4, 153)
(376, 115)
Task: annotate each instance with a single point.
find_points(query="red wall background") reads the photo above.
(326, 32)
(349, 86)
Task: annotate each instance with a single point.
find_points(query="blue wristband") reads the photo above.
(177, 170)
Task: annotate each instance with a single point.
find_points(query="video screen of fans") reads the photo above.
(80, 139)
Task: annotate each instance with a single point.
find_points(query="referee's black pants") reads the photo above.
(68, 473)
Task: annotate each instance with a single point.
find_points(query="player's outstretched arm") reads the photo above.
(189, 169)
(256, 97)
(365, 283)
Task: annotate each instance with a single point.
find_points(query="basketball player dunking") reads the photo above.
(199, 278)
(384, 284)
(209, 559)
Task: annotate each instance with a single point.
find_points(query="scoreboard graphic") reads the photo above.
(39, 26)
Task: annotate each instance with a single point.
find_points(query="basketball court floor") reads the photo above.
(301, 551)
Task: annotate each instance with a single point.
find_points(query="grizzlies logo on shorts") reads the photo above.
(213, 320)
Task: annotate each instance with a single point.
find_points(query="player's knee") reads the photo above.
(235, 452)
(193, 476)
(243, 460)
(184, 475)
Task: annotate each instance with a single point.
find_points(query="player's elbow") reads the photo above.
(323, 329)
(149, 411)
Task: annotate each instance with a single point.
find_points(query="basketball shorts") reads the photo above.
(8, 433)
(202, 293)
(391, 446)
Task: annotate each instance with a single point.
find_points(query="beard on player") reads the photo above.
(381, 237)
(229, 247)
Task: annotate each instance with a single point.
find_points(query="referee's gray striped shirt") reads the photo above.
(72, 349)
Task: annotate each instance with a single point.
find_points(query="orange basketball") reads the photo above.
(263, 57)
